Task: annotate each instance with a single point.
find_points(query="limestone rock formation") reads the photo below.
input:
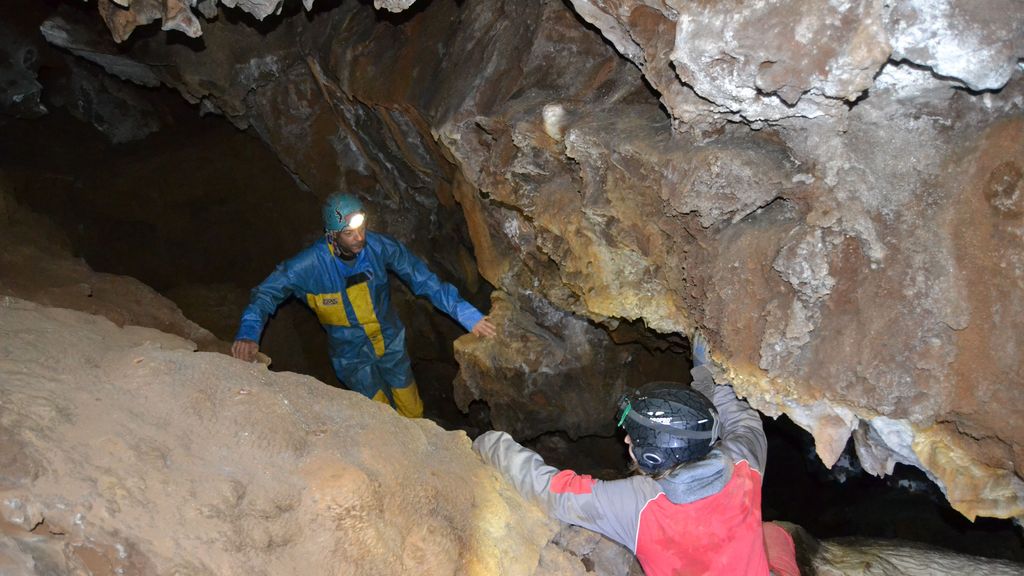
(125, 452)
(831, 190)
(883, 198)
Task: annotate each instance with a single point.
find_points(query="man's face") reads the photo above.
(350, 240)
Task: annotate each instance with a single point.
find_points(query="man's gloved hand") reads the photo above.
(245, 350)
(700, 350)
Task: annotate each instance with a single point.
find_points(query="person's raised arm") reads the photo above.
(741, 430)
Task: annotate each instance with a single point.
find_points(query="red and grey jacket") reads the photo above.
(705, 518)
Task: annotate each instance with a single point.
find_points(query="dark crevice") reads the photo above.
(850, 104)
(847, 501)
(957, 83)
(40, 526)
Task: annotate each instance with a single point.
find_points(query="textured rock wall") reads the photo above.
(19, 71)
(831, 190)
(870, 557)
(894, 236)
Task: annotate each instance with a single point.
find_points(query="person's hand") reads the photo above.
(484, 328)
(700, 350)
(245, 350)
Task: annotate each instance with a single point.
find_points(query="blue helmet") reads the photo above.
(339, 210)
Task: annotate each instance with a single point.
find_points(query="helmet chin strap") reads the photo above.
(339, 250)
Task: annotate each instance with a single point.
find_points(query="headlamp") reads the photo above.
(355, 220)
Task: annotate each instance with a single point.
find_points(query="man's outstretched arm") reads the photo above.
(485, 328)
(742, 432)
(611, 508)
(423, 282)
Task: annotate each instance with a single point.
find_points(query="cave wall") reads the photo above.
(831, 191)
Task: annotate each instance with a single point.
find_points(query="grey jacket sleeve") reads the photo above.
(611, 508)
(741, 429)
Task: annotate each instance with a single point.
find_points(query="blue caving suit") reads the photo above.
(353, 302)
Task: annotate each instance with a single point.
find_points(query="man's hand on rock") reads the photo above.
(246, 350)
(484, 329)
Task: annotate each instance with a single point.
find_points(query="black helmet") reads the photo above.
(668, 426)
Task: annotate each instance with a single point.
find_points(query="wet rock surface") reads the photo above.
(829, 190)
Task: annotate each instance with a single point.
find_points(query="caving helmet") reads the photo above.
(343, 211)
(669, 425)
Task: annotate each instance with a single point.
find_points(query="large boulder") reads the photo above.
(124, 451)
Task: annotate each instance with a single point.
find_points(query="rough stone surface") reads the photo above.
(764, 61)
(59, 32)
(118, 110)
(20, 90)
(979, 44)
(808, 182)
(124, 452)
(174, 15)
(771, 60)
(393, 5)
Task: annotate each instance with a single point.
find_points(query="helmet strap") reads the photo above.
(712, 434)
(716, 427)
(339, 250)
(625, 412)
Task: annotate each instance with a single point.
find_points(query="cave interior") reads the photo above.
(199, 182)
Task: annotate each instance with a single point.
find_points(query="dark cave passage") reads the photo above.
(846, 501)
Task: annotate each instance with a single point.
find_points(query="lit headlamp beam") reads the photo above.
(356, 220)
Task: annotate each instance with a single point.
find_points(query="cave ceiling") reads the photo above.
(833, 191)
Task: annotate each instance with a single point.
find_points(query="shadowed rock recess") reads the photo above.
(832, 191)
